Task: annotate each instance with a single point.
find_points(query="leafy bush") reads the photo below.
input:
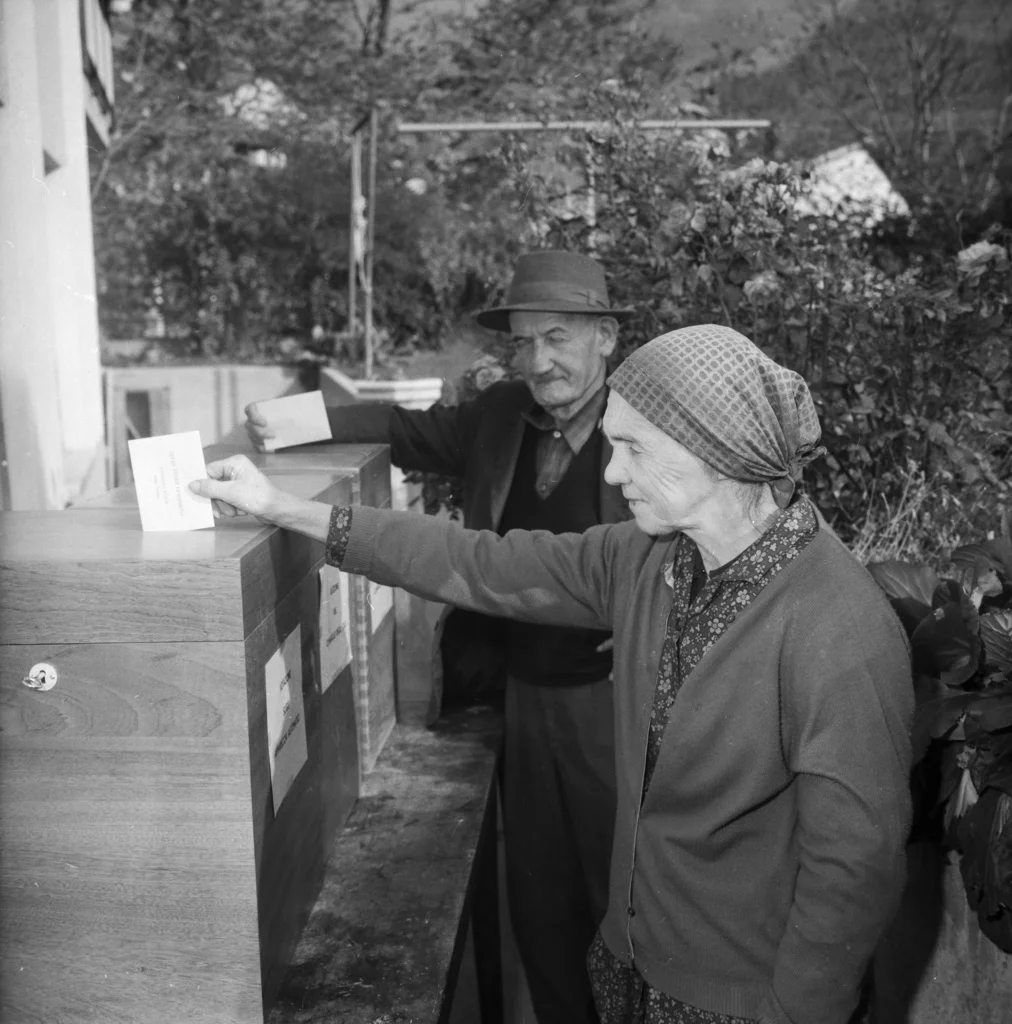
(960, 629)
(909, 356)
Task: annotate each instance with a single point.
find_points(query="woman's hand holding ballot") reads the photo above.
(237, 488)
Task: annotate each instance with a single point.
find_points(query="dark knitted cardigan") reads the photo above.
(768, 854)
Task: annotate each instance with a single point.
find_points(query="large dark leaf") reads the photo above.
(928, 688)
(905, 580)
(997, 768)
(980, 583)
(909, 588)
(934, 719)
(946, 645)
(948, 592)
(991, 554)
(910, 611)
(985, 839)
(996, 636)
(991, 713)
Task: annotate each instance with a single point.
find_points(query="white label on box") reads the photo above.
(381, 602)
(286, 719)
(163, 468)
(295, 419)
(335, 624)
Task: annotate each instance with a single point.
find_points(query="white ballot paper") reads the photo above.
(295, 419)
(381, 603)
(163, 468)
(335, 625)
(286, 720)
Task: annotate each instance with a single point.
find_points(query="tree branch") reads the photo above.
(115, 146)
(869, 81)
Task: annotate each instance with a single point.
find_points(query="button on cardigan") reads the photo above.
(767, 855)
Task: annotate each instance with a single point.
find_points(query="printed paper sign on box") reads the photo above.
(286, 720)
(335, 624)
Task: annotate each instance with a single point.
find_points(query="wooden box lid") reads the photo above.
(369, 463)
(91, 575)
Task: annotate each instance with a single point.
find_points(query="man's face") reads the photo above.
(562, 356)
(667, 487)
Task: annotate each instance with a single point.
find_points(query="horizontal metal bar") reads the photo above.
(562, 126)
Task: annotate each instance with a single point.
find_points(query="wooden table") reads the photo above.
(413, 867)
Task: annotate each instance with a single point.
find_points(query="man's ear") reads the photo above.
(607, 333)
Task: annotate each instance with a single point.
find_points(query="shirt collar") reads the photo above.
(577, 429)
(756, 562)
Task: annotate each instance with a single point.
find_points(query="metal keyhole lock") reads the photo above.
(42, 677)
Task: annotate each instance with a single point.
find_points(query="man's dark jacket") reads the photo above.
(478, 442)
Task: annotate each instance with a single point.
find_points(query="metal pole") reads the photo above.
(562, 126)
(370, 232)
(354, 190)
(591, 215)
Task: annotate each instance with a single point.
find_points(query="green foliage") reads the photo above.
(960, 629)
(909, 363)
(237, 257)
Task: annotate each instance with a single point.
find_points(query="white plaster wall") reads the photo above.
(32, 425)
(210, 398)
(71, 249)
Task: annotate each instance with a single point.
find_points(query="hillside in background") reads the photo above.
(818, 93)
(926, 85)
(762, 29)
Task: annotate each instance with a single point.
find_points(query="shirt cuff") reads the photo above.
(337, 535)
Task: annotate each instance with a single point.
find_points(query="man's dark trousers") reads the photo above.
(558, 813)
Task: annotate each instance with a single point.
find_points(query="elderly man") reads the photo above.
(532, 455)
(763, 695)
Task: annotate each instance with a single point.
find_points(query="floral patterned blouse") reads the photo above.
(703, 606)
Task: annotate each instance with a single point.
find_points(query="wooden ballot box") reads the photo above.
(372, 606)
(169, 794)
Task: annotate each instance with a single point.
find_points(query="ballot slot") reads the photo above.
(149, 870)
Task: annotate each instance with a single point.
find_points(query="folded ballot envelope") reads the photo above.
(163, 467)
(295, 419)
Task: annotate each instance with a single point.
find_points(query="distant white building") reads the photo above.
(847, 181)
(56, 102)
(261, 105)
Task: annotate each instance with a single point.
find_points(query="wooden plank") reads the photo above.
(340, 770)
(291, 848)
(118, 436)
(124, 601)
(94, 575)
(272, 568)
(126, 844)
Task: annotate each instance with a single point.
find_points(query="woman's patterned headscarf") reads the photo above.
(720, 397)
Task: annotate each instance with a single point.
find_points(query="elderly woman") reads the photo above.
(762, 686)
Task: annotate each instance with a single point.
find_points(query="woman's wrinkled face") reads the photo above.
(561, 356)
(667, 487)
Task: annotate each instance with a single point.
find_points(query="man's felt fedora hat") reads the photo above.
(553, 282)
